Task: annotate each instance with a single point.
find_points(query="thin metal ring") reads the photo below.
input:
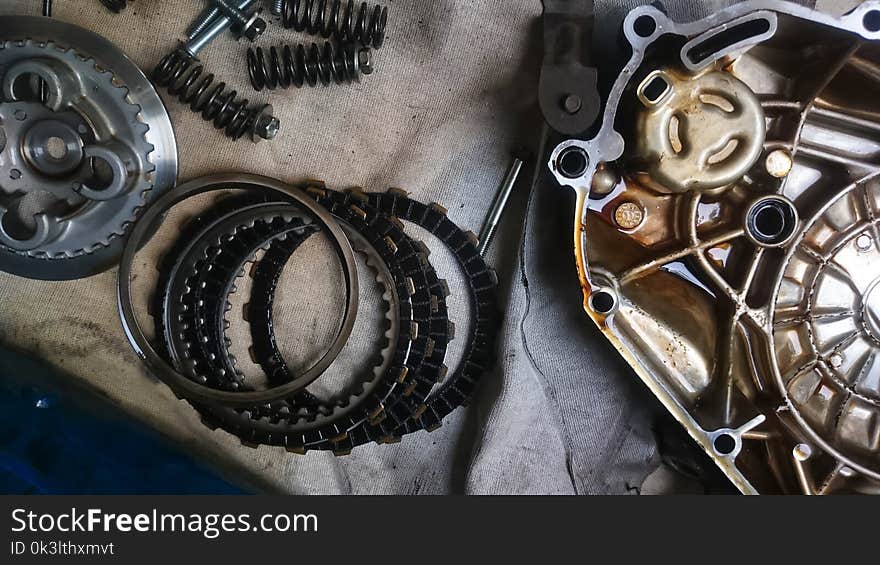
(150, 221)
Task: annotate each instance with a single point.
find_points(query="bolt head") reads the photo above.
(365, 61)
(629, 215)
(572, 104)
(267, 126)
(779, 163)
(251, 30)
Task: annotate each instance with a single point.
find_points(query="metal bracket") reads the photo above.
(568, 91)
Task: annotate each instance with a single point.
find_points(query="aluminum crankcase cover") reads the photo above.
(727, 239)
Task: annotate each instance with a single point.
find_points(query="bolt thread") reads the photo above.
(231, 11)
(210, 14)
(205, 19)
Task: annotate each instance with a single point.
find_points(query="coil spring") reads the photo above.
(183, 77)
(115, 5)
(286, 65)
(347, 24)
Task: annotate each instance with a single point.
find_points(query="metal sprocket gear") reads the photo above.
(77, 166)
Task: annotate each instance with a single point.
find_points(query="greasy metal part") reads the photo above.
(697, 132)
(743, 292)
(479, 357)
(182, 384)
(568, 90)
(75, 171)
(186, 79)
(493, 219)
(287, 65)
(344, 22)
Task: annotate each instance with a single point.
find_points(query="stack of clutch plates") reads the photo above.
(257, 231)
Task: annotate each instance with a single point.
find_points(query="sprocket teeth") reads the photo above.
(438, 208)
(358, 193)
(359, 211)
(397, 223)
(209, 423)
(249, 443)
(444, 288)
(316, 191)
(422, 248)
(493, 276)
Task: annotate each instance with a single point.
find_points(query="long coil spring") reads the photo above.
(345, 24)
(183, 77)
(286, 65)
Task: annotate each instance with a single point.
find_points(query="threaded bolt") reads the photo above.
(209, 16)
(277, 6)
(211, 31)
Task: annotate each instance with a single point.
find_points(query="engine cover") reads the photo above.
(726, 235)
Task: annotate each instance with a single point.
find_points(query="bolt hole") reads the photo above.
(602, 302)
(573, 161)
(19, 221)
(644, 26)
(25, 88)
(56, 148)
(872, 20)
(772, 221)
(724, 444)
(102, 174)
(18, 228)
(655, 89)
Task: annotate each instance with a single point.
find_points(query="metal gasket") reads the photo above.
(180, 383)
(482, 284)
(280, 424)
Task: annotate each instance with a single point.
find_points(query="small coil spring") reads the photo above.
(183, 77)
(346, 25)
(286, 65)
(115, 5)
